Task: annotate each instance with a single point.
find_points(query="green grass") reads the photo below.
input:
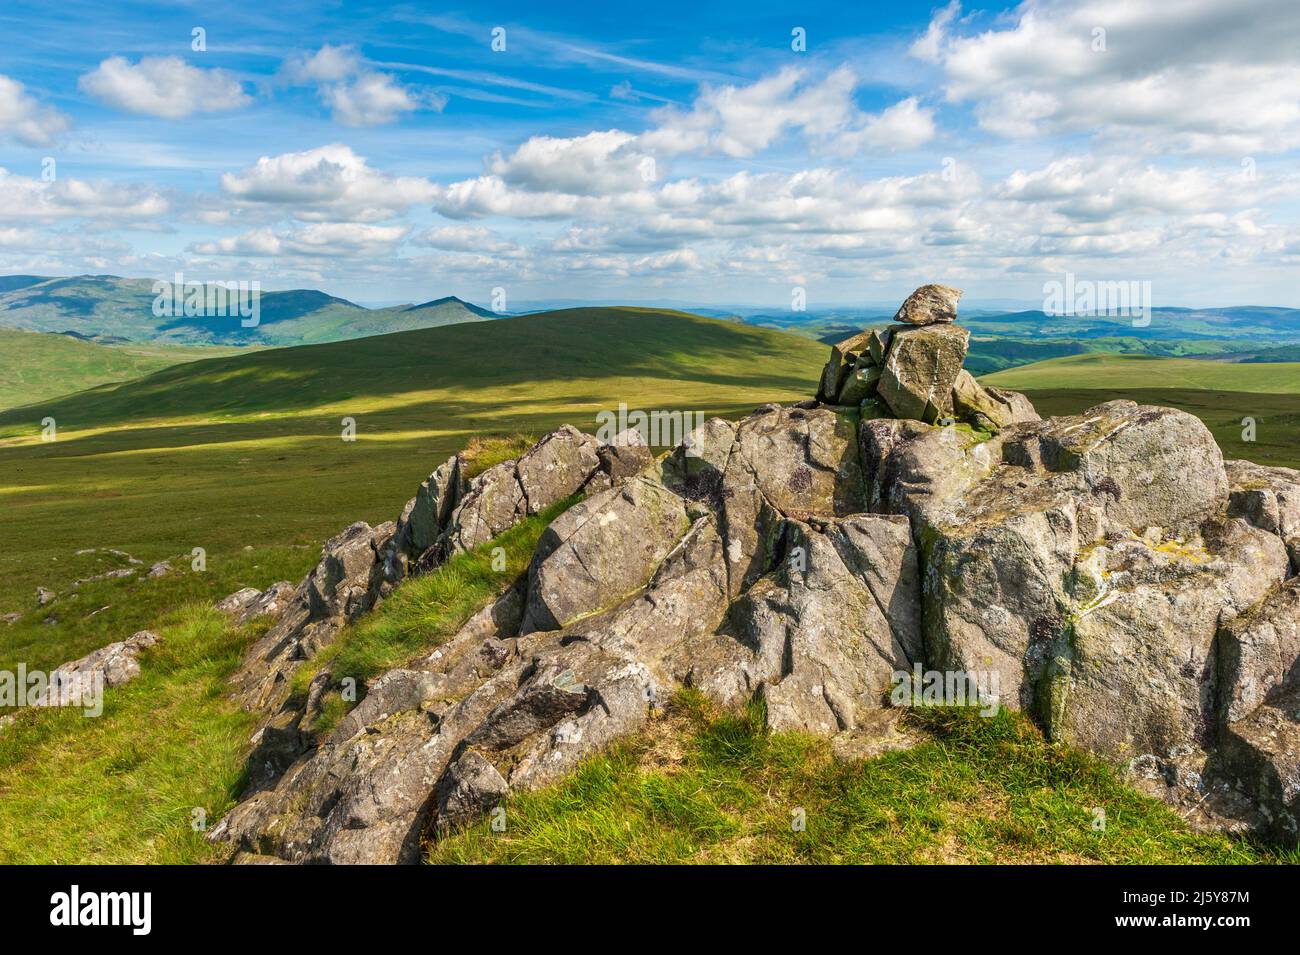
(122, 787)
(1119, 373)
(426, 611)
(705, 787)
(38, 366)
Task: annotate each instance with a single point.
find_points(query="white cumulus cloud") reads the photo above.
(327, 183)
(1180, 75)
(318, 239)
(163, 86)
(26, 120)
(357, 95)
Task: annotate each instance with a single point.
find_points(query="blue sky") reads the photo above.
(667, 151)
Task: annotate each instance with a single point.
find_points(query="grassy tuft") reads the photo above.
(701, 786)
(485, 451)
(426, 611)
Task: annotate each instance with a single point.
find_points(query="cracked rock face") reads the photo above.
(1104, 571)
(1269, 498)
(920, 369)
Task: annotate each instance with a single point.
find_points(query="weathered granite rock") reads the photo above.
(920, 369)
(601, 549)
(1138, 643)
(861, 383)
(493, 503)
(694, 470)
(821, 635)
(928, 305)
(80, 683)
(787, 462)
(250, 603)
(989, 408)
(1260, 756)
(548, 699)
(1001, 523)
(626, 455)
(469, 787)
(239, 601)
(1259, 651)
(342, 586)
(425, 516)
(1270, 499)
(556, 467)
(844, 355)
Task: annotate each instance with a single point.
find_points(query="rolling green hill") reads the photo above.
(246, 451)
(105, 305)
(39, 366)
(1099, 371)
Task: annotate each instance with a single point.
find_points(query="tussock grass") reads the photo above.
(701, 786)
(428, 610)
(484, 451)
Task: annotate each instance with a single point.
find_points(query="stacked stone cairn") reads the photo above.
(913, 369)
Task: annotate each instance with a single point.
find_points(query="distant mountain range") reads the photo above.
(110, 309)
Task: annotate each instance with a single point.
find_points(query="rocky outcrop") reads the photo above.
(1103, 572)
(1258, 651)
(920, 369)
(361, 565)
(115, 664)
(603, 548)
(426, 514)
(1259, 755)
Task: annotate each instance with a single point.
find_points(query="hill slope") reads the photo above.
(242, 456)
(1109, 372)
(246, 451)
(106, 305)
(39, 366)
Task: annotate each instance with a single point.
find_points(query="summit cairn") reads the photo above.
(913, 369)
(929, 305)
